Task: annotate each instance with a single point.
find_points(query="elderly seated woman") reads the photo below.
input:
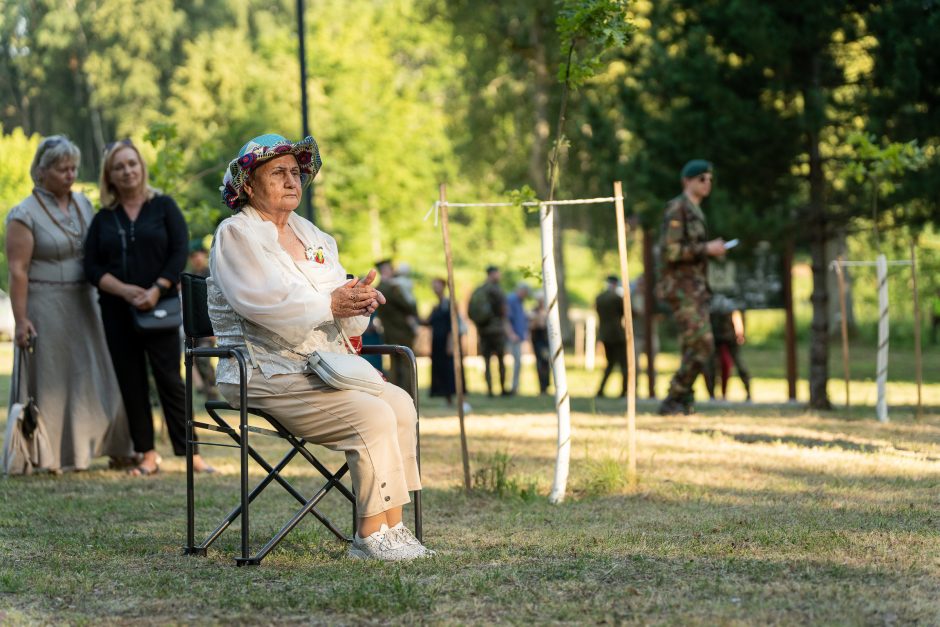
(278, 287)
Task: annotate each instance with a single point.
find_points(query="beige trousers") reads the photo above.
(378, 434)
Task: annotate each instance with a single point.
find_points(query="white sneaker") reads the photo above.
(383, 545)
(403, 534)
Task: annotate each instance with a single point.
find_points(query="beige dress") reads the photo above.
(76, 390)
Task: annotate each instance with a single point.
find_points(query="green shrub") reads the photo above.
(493, 476)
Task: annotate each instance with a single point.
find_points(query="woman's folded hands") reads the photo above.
(356, 298)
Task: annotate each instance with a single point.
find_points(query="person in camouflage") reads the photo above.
(683, 283)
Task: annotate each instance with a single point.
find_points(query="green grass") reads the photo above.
(743, 515)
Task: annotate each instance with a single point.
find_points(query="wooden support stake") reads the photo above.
(845, 328)
(628, 323)
(918, 359)
(455, 335)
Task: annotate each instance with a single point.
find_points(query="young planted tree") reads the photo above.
(587, 29)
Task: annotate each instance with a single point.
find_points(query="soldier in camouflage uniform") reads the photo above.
(683, 284)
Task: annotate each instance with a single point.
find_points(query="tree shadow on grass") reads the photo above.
(807, 442)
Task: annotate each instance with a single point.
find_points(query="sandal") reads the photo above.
(124, 462)
(142, 471)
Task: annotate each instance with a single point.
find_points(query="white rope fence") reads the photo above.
(550, 282)
(435, 208)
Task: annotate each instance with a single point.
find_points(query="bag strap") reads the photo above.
(339, 327)
(28, 354)
(123, 235)
(16, 376)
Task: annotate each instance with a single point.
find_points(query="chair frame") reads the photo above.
(246, 451)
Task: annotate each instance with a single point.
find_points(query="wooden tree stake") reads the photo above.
(628, 323)
(455, 335)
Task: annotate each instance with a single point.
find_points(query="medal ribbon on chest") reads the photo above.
(315, 255)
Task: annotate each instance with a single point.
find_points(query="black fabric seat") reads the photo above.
(196, 325)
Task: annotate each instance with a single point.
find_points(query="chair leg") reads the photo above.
(416, 495)
(244, 477)
(190, 548)
(308, 508)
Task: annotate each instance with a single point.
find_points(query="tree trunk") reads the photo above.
(542, 125)
(819, 346)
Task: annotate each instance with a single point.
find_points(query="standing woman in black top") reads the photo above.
(135, 274)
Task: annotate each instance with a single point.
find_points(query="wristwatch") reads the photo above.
(163, 290)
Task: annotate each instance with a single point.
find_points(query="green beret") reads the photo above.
(696, 167)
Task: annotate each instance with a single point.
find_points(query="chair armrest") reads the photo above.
(214, 351)
(388, 349)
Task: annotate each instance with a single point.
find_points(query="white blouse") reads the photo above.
(260, 296)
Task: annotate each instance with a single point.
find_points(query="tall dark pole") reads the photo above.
(790, 324)
(308, 199)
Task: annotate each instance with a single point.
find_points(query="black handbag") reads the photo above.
(166, 315)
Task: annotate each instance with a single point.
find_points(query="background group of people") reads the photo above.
(502, 322)
(90, 360)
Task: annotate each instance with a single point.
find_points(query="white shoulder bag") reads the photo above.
(346, 371)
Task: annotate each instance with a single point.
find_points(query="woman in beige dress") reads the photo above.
(76, 390)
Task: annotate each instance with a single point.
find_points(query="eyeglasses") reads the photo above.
(49, 143)
(110, 145)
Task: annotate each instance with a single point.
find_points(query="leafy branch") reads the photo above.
(587, 29)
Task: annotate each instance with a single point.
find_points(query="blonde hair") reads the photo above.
(107, 190)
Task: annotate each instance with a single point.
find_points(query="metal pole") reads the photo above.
(790, 320)
(308, 198)
(918, 358)
(649, 311)
(881, 372)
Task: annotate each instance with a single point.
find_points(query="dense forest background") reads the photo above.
(405, 94)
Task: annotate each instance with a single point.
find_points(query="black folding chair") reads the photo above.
(196, 325)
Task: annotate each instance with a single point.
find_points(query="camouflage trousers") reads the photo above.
(690, 312)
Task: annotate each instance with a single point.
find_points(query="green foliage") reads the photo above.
(493, 475)
(16, 155)
(524, 198)
(590, 29)
(882, 167)
(168, 172)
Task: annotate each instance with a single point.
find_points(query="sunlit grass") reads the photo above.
(742, 515)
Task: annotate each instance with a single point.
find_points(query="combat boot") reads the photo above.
(671, 407)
